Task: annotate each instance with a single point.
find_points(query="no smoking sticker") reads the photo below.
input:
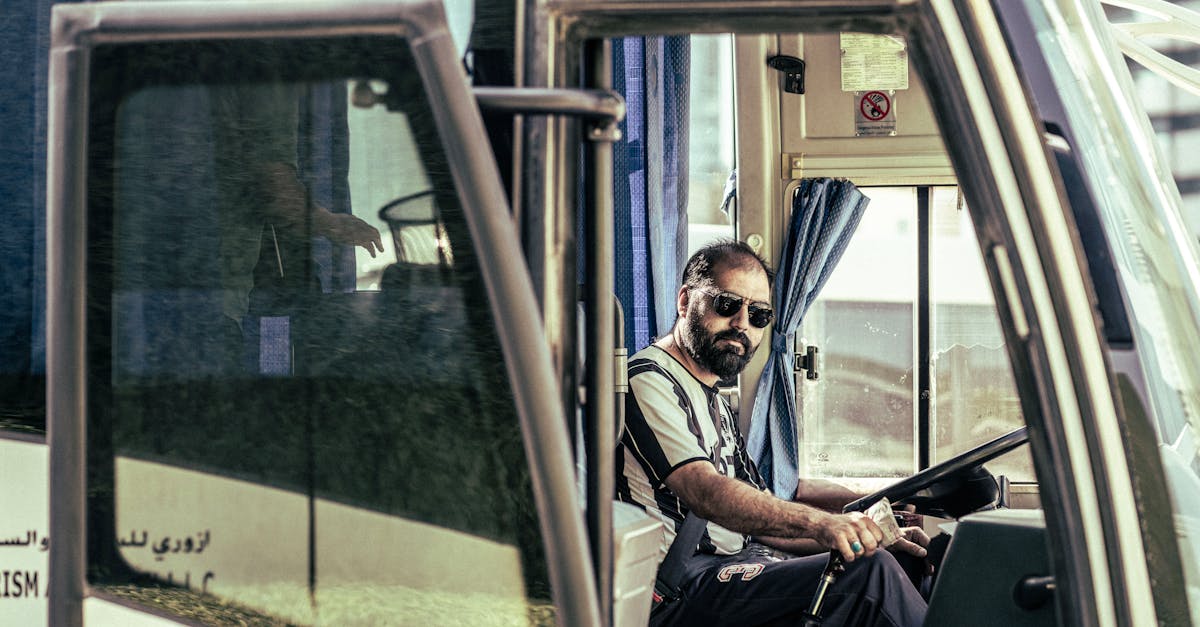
(874, 114)
(875, 105)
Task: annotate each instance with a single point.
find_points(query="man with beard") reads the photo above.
(682, 451)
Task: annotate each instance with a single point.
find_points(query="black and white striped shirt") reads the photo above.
(672, 419)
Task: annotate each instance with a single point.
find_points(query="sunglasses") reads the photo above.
(727, 304)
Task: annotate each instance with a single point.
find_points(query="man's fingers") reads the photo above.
(367, 237)
(877, 533)
(854, 535)
(911, 548)
(844, 547)
(869, 543)
(870, 533)
(916, 534)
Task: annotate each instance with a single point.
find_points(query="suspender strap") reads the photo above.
(670, 572)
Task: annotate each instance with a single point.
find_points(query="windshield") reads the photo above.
(1152, 249)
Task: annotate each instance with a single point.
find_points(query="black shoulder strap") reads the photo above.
(670, 572)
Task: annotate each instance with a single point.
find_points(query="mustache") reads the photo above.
(735, 335)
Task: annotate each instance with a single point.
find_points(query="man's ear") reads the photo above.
(681, 302)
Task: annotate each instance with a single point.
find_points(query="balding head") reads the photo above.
(704, 266)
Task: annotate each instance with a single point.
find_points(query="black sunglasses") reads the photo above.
(727, 304)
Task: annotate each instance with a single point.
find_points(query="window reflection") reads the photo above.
(304, 433)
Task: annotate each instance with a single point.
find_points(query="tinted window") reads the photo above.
(282, 413)
(22, 223)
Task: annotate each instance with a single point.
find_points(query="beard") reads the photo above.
(704, 348)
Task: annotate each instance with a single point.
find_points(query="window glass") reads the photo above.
(398, 202)
(22, 412)
(858, 418)
(282, 425)
(974, 398)
(1155, 258)
(24, 50)
(1173, 110)
(1186, 144)
(711, 140)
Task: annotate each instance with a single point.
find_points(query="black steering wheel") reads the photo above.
(957, 486)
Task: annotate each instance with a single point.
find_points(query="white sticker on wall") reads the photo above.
(873, 62)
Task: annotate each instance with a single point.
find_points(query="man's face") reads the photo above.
(723, 345)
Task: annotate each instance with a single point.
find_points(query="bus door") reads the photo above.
(977, 306)
(296, 369)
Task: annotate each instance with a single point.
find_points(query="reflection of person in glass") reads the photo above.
(263, 199)
(682, 451)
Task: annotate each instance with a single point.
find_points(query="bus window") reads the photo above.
(867, 324)
(1173, 107)
(711, 140)
(973, 398)
(863, 325)
(285, 421)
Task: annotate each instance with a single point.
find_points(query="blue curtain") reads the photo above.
(825, 213)
(650, 166)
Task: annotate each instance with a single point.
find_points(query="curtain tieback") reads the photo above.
(781, 342)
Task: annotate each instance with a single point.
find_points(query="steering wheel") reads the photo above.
(939, 489)
(957, 486)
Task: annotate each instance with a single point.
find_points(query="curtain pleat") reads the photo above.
(650, 166)
(825, 213)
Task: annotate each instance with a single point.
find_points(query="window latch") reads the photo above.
(808, 361)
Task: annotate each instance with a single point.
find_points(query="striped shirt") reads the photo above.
(672, 419)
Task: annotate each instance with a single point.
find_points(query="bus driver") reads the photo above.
(682, 451)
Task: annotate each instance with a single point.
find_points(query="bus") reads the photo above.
(334, 337)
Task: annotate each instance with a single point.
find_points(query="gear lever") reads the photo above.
(833, 568)
(881, 512)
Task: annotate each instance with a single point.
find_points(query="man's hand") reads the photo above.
(852, 535)
(913, 541)
(346, 229)
(287, 205)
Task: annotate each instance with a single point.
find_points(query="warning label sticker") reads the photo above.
(875, 113)
(873, 62)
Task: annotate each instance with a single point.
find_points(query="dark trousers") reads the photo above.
(754, 589)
